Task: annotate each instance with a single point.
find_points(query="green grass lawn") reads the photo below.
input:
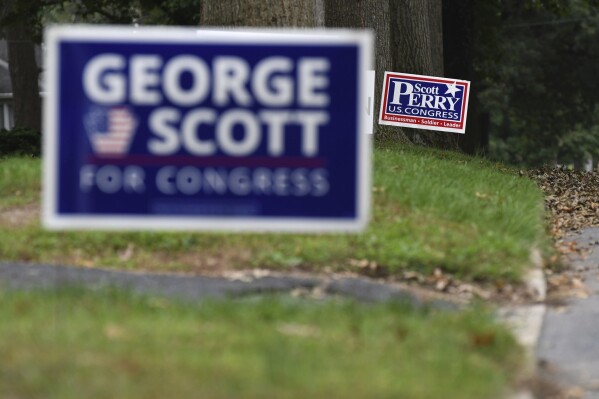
(432, 209)
(111, 344)
(19, 181)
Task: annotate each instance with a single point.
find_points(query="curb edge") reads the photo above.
(526, 321)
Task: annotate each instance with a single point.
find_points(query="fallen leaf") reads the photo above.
(298, 330)
(114, 332)
(365, 265)
(577, 283)
(442, 285)
(238, 276)
(483, 339)
(570, 196)
(574, 393)
(127, 253)
(260, 273)
(412, 276)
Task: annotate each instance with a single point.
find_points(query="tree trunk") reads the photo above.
(368, 14)
(458, 28)
(411, 36)
(416, 43)
(319, 16)
(24, 74)
(257, 13)
(436, 21)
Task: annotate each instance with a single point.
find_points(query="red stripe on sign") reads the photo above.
(99, 146)
(116, 126)
(112, 137)
(113, 152)
(112, 148)
(120, 134)
(121, 121)
(125, 119)
(218, 161)
(120, 130)
(111, 145)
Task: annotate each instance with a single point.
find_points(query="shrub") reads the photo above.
(20, 141)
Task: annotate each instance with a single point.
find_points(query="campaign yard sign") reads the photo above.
(175, 128)
(424, 102)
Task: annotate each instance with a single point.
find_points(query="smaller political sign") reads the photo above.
(424, 102)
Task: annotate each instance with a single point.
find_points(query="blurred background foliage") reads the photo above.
(533, 65)
(539, 81)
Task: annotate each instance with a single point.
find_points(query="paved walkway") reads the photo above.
(568, 350)
(25, 276)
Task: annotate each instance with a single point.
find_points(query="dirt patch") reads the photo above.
(203, 263)
(20, 216)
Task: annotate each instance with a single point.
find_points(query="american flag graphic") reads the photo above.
(110, 130)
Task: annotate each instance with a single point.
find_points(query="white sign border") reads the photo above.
(423, 127)
(53, 220)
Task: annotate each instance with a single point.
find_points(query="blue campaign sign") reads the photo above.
(189, 129)
(424, 102)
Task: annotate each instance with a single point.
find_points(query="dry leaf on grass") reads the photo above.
(298, 330)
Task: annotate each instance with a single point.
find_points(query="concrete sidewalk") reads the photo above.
(568, 350)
